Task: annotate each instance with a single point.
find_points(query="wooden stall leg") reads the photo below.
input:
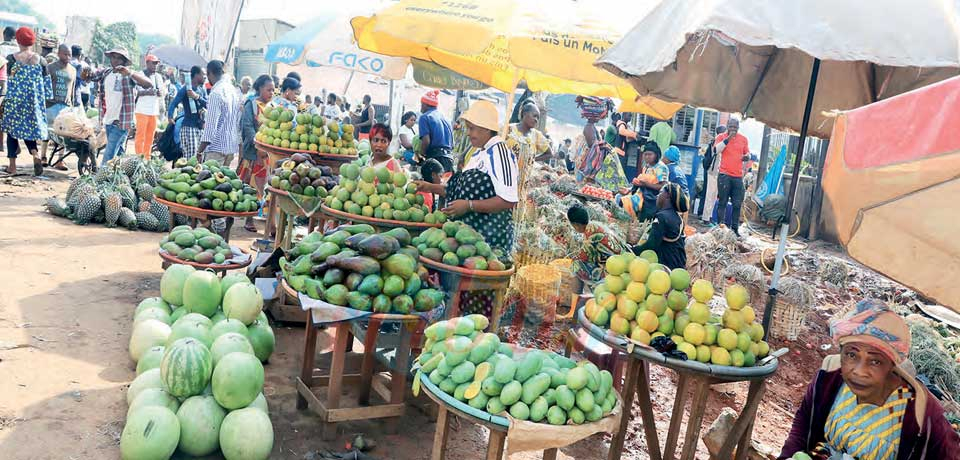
(226, 236)
(616, 444)
(646, 407)
(679, 404)
(440, 435)
(366, 368)
(742, 429)
(398, 375)
(336, 376)
(309, 360)
(495, 448)
(271, 217)
(698, 404)
(550, 454)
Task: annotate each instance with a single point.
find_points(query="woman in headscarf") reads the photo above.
(600, 163)
(28, 88)
(651, 179)
(253, 164)
(671, 159)
(865, 403)
(598, 245)
(666, 232)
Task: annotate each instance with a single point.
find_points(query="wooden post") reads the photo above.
(679, 406)
(336, 376)
(495, 448)
(366, 368)
(398, 375)
(629, 387)
(741, 431)
(698, 404)
(550, 454)
(440, 436)
(309, 359)
(646, 410)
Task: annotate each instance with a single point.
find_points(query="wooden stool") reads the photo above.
(330, 410)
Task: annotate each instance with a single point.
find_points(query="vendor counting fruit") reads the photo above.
(485, 192)
(865, 403)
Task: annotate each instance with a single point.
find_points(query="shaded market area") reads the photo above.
(490, 229)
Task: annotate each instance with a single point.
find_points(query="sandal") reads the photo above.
(37, 167)
(250, 227)
(60, 167)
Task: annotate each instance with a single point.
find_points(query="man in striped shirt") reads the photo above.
(221, 131)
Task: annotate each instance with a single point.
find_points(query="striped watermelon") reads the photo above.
(186, 367)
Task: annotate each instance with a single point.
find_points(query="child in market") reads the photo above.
(432, 172)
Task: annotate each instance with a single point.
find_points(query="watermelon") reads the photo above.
(217, 317)
(237, 380)
(148, 379)
(153, 397)
(178, 313)
(228, 325)
(195, 318)
(146, 334)
(229, 343)
(243, 302)
(150, 359)
(201, 293)
(230, 279)
(186, 367)
(200, 418)
(246, 434)
(151, 433)
(195, 329)
(260, 403)
(156, 313)
(262, 339)
(172, 281)
(152, 302)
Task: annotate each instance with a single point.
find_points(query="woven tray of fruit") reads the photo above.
(457, 248)
(201, 248)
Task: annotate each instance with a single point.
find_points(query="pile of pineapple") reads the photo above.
(118, 194)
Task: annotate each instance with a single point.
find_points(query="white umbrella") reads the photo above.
(754, 58)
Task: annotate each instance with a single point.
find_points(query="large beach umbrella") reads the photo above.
(502, 42)
(181, 57)
(761, 58)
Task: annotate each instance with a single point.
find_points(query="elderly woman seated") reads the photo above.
(865, 404)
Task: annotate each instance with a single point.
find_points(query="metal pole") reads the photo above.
(788, 217)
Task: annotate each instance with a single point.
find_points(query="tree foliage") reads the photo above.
(153, 39)
(116, 35)
(22, 7)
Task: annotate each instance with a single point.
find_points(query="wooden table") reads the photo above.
(457, 280)
(415, 228)
(330, 411)
(222, 269)
(497, 425)
(203, 215)
(692, 374)
(281, 212)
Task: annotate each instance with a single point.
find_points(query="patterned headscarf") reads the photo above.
(873, 323)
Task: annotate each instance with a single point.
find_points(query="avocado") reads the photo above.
(382, 304)
(209, 242)
(333, 276)
(402, 304)
(371, 285)
(433, 254)
(359, 301)
(401, 265)
(378, 246)
(353, 281)
(451, 259)
(401, 234)
(336, 294)
(393, 286)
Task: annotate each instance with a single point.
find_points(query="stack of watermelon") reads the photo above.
(199, 386)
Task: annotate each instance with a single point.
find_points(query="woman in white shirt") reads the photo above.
(405, 137)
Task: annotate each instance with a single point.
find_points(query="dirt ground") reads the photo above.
(65, 313)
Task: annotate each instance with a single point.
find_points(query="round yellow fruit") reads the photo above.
(711, 334)
(636, 290)
(676, 339)
(736, 358)
(614, 284)
(702, 290)
(737, 296)
(648, 321)
(639, 269)
(650, 255)
(616, 265)
(763, 349)
(672, 314)
(638, 334)
(699, 313)
(703, 353)
(689, 349)
(658, 282)
(755, 348)
(656, 303)
(732, 319)
(749, 359)
(743, 342)
(719, 356)
(657, 334)
(626, 308)
(694, 333)
(756, 331)
(679, 279)
(680, 322)
(619, 324)
(727, 338)
(666, 324)
(677, 300)
(748, 314)
(602, 317)
(607, 300)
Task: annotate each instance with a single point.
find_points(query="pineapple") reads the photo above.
(104, 174)
(162, 213)
(129, 165)
(145, 191)
(180, 219)
(81, 191)
(128, 195)
(57, 207)
(112, 203)
(147, 221)
(127, 218)
(87, 208)
(144, 206)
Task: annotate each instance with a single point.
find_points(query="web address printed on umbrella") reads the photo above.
(452, 13)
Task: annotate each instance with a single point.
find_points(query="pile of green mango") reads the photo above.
(354, 266)
(544, 387)
(198, 245)
(378, 193)
(207, 185)
(458, 244)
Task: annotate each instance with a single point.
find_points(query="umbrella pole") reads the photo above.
(785, 221)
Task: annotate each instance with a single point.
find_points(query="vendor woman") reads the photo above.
(865, 403)
(598, 245)
(484, 193)
(666, 233)
(651, 179)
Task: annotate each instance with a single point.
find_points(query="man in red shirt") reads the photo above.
(733, 150)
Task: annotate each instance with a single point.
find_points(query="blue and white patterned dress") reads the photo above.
(28, 88)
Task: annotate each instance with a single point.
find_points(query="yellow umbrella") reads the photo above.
(551, 47)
